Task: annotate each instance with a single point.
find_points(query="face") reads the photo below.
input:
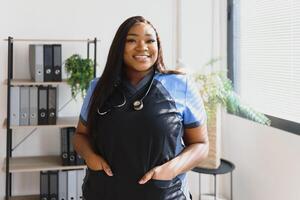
(141, 49)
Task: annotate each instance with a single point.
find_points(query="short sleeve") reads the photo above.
(85, 106)
(194, 114)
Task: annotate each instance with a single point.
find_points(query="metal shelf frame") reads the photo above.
(10, 44)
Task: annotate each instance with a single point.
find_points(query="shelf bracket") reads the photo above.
(31, 132)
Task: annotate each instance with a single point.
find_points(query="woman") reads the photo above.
(141, 126)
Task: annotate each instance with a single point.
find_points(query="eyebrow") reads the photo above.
(133, 34)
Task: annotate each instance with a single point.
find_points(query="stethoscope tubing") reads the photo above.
(137, 105)
(116, 106)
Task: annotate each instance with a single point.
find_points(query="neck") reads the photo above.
(135, 77)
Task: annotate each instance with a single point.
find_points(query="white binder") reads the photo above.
(15, 106)
(72, 185)
(80, 177)
(33, 105)
(24, 105)
(62, 185)
(36, 62)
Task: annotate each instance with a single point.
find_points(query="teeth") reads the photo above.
(141, 57)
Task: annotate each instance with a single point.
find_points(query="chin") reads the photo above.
(143, 68)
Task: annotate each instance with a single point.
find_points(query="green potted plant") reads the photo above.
(80, 71)
(217, 91)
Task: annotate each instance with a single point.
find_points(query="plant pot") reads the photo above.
(213, 159)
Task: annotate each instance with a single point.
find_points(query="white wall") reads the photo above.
(196, 33)
(267, 160)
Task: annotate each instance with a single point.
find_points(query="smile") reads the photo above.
(141, 57)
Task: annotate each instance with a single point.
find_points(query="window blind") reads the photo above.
(269, 56)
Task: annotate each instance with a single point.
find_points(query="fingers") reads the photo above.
(106, 168)
(146, 177)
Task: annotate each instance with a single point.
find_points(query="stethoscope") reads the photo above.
(137, 104)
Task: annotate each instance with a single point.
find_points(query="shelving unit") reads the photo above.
(18, 82)
(35, 163)
(25, 197)
(62, 122)
(39, 163)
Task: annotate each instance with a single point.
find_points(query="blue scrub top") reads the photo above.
(177, 89)
(181, 89)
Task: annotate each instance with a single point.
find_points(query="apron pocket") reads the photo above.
(93, 186)
(165, 190)
(161, 183)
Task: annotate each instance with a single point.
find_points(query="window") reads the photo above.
(264, 57)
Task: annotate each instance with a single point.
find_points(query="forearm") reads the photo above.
(84, 149)
(82, 146)
(189, 158)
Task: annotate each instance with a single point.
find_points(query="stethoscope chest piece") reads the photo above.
(138, 105)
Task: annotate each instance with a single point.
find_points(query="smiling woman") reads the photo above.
(141, 127)
(141, 51)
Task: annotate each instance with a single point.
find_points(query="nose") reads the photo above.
(141, 46)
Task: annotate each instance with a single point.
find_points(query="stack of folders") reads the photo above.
(61, 185)
(33, 105)
(68, 154)
(45, 62)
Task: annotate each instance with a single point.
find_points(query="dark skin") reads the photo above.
(139, 56)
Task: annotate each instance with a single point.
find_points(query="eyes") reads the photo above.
(132, 41)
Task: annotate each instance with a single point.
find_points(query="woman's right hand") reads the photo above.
(97, 163)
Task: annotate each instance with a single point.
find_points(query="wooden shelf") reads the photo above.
(19, 82)
(38, 163)
(62, 122)
(51, 40)
(25, 197)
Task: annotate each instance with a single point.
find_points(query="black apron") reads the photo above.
(134, 142)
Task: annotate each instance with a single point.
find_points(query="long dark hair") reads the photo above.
(112, 73)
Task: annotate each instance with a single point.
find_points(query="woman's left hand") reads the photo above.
(162, 172)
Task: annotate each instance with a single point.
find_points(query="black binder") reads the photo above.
(48, 62)
(56, 62)
(64, 146)
(53, 185)
(42, 105)
(79, 159)
(72, 155)
(44, 185)
(52, 105)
